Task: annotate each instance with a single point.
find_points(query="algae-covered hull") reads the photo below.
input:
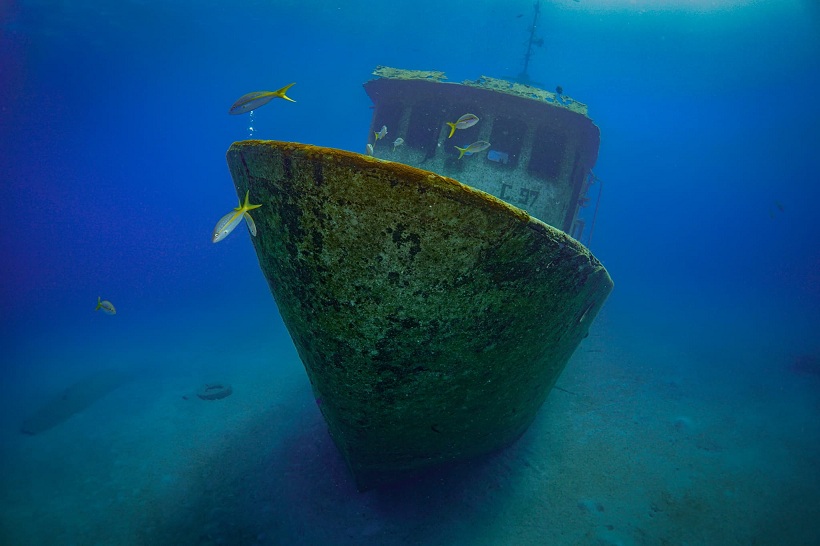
(432, 318)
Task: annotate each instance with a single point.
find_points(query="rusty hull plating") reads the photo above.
(432, 318)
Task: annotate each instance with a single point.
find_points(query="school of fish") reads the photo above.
(250, 102)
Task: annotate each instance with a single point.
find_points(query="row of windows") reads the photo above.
(507, 137)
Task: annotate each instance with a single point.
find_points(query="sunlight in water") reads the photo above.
(641, 6)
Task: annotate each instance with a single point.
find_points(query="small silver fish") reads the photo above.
(381, 134)
(369, 149)
(229, 222)
(398, 142)
(252, 101)
(473, 148)
(106, 306)
(464, 122)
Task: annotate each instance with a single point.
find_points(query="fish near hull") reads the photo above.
(432, 319)
(251, 101)
(226, 225)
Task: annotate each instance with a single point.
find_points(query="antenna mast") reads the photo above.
(524, 76)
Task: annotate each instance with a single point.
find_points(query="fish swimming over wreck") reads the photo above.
(382, 133)
(252, 101)
(464, 122)
(229, 222)
(473, 148)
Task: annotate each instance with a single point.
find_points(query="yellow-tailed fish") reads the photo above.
(228, 222)
(398, 142)
(473, 148)
(254, 100)
(106, 306)
(465, 121)
(381, 134)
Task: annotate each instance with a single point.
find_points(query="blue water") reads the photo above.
(694, 418)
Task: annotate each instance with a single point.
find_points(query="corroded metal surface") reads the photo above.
(432, 319)
(403, 74)
(489, 83)
(528, 92)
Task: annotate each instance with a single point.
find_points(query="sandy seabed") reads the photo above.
(644, 442)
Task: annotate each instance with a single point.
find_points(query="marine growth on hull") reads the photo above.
(432, 318)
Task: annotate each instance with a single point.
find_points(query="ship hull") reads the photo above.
(432, 318)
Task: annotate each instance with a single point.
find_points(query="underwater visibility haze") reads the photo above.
(153, 394)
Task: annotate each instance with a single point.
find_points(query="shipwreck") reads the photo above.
(434, 301)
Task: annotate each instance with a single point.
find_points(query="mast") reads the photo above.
(524, 76)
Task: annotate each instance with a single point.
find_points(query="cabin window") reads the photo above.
(389, 115)
(547, 156)
(423, 129)
(506, 140)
